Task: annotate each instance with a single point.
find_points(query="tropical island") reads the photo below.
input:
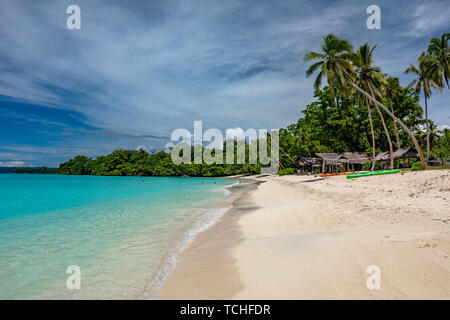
(353, 205)
(40, 170)
(361, 110)
(383, 237)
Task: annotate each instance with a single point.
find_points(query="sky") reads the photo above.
(137, 70)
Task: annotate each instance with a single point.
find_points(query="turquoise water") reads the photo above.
(122, 232)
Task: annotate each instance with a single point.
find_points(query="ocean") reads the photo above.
(122, 233)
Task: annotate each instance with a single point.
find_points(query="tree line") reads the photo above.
(348, 114)
(41, 170)
(141, 163)
(356, 76)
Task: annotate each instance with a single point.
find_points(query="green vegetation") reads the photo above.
(288, 171)
(41, 170)
(141, 163)
(349, 114)
(417, 166)
(432, 70)
(355, 76)
(441, 149)
(336, 123)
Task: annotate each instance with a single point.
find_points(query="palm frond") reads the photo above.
(313, 68)
(313, 56)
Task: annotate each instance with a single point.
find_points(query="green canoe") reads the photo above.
(373, 173)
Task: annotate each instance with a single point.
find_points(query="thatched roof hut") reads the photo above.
(330, 157)
(331, 161)
(383, 156)
(344, 157)
(406, 153)
(355, 157)
(310, 161)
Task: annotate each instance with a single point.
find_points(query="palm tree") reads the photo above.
(335, 58)
(425, 79)
(303, 138)
(389, 92)
(361, 101)
(373, 81)
(440, 49)
(434, 135)
(335, 64)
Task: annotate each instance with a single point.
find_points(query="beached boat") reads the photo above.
(337, 174)
(373, 173)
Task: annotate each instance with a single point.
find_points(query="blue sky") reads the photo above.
(137, 70)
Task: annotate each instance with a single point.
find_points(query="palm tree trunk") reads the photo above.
(289, 157)
(413, 138)
(386, 131)
(396, 130)
(373, 136)
(428, 127)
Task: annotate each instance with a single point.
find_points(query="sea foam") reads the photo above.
(203, 223)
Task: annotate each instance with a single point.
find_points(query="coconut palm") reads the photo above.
(389, 92)
(363, 101)
(332, 62)
(335, 64)
(440, 49)
(373, 81)
(303, 138)
(423, 83)
(434, 135)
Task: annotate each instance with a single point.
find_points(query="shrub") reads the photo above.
(367, 166)
(417, 166)
(287, 171)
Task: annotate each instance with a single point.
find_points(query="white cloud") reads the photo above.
(169, 145)
(12, 163)
(428, 17)
(151, 67)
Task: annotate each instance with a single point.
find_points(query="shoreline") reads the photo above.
(304, 237)
(211, 249)
(208, 213)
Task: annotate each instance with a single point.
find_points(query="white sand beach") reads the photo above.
(306, 237)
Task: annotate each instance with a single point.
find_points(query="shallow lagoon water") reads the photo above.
(123, 232)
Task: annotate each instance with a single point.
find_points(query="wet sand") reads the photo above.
(207, 270)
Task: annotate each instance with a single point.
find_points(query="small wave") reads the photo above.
(234, 184)
(203, 223)
(228, 192)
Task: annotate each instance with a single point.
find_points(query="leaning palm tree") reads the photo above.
(389, 92)
(335, 64)
(361, 102)
(425, 79)
(373, 81)
(440, 49)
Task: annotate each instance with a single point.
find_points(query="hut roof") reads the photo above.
(329, 157)
(382, 156)
(356, 157)
(399, 153)
(406, 153)
(344, 157)
(309, 161)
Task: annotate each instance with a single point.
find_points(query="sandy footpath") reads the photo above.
(299, 237)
